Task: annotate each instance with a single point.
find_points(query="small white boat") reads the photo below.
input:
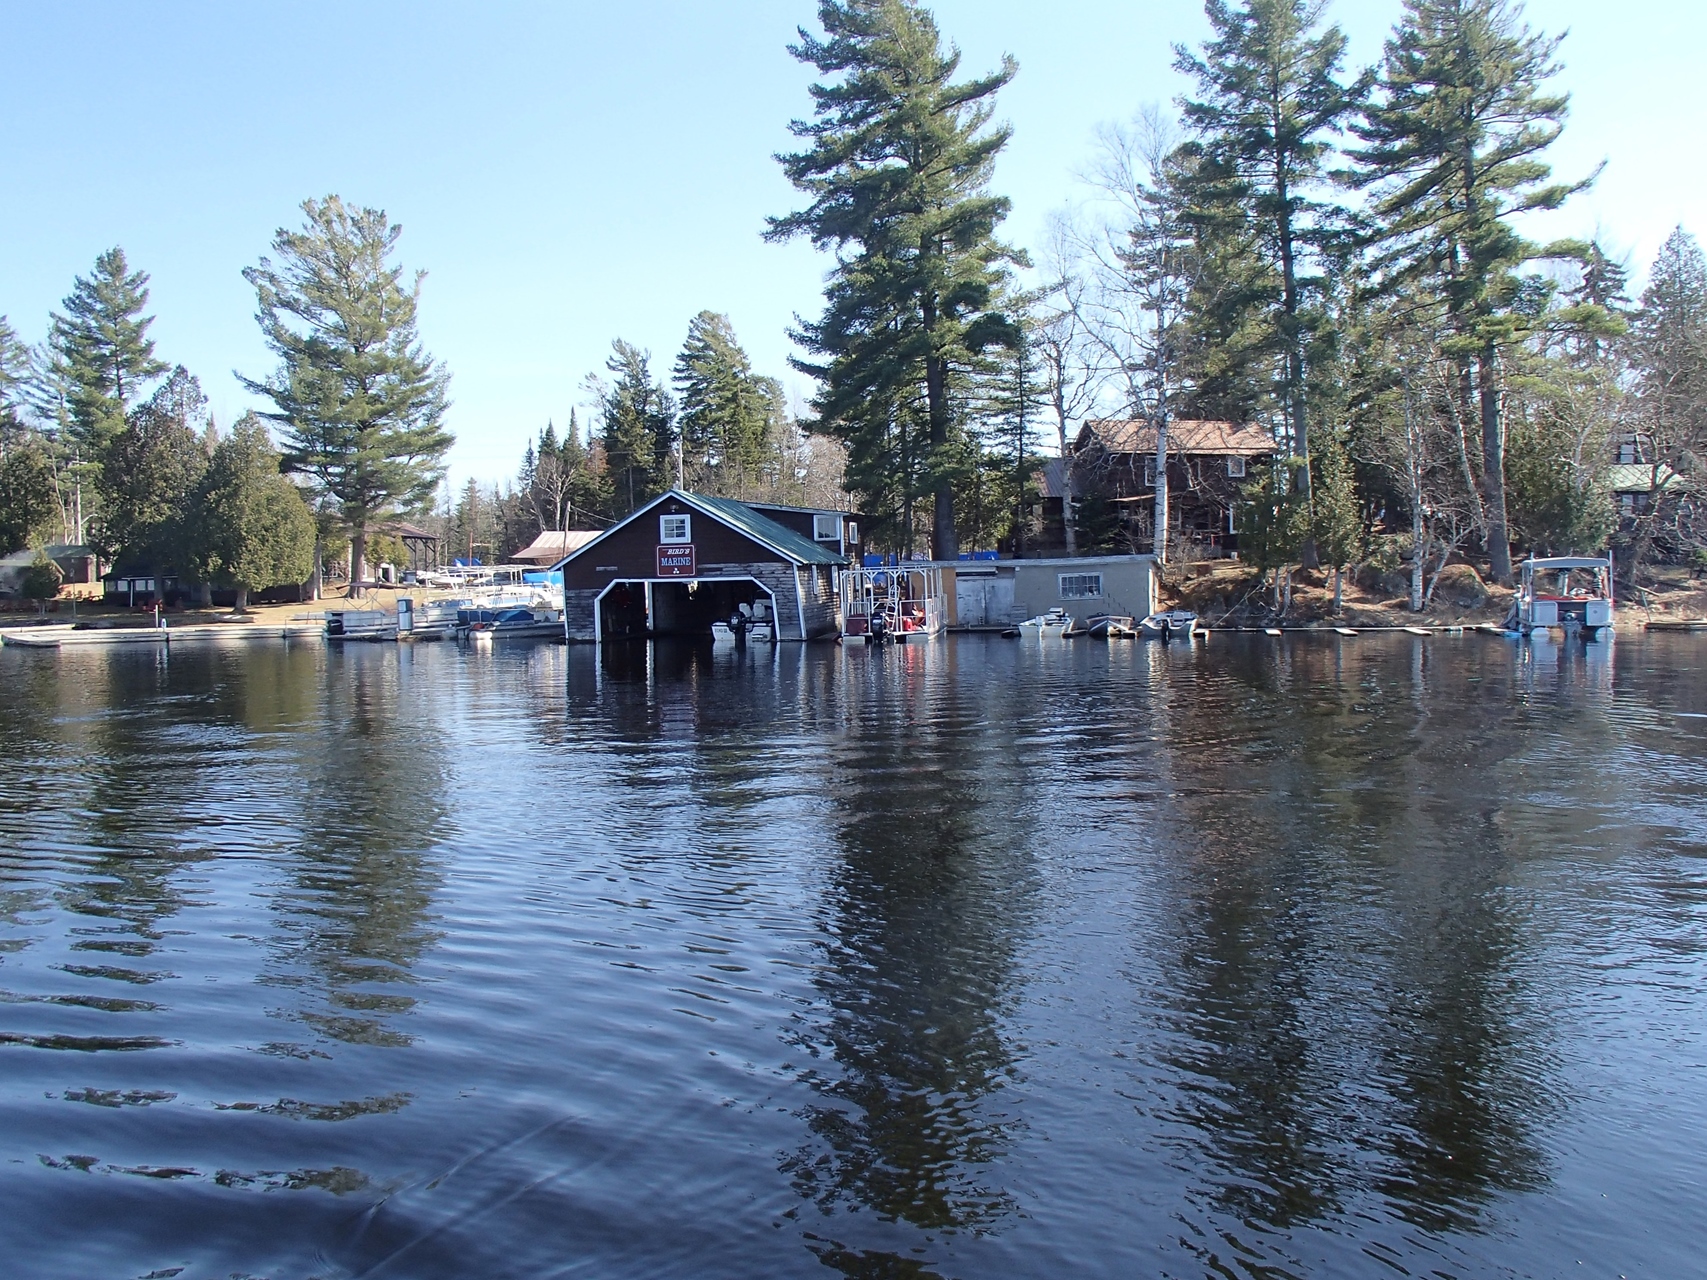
(1168, 625)
(482, 626)
(750, 623)
(1111, 626)
(1047, 626)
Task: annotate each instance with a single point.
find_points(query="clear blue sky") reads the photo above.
(568, 172)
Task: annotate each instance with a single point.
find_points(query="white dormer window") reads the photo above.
(826, 528)
(1236, 468)
(675, 529)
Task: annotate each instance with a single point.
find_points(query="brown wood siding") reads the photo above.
(634, 550)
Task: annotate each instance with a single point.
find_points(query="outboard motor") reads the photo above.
(880, 627)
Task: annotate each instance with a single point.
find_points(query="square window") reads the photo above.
(1081, 586)
(826, 528)
(1236, 468)
(675, 529)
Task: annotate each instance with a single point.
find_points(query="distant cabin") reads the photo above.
(1114, 460)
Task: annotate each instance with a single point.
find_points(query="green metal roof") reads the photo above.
(741, 517)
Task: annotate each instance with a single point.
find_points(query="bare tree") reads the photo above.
(1076, 367)
(1142, 265)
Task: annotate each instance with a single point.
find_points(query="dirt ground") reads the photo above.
(1227, 594)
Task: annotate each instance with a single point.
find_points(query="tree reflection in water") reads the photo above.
(921, 922)
(1347, 986)
(357, 916)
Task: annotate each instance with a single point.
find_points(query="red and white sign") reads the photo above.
(676, 560)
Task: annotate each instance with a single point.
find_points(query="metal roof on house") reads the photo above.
(738, 516)
(1643, 477)
(796, 546)
(553, 544)
(1051, 478)
(1188, 435)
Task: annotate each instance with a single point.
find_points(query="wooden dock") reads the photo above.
(72, 637)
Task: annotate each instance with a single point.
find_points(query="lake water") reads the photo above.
(1315, 957)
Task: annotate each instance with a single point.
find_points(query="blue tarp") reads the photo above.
(544, 577)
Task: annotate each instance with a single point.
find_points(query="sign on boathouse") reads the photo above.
(676, 560)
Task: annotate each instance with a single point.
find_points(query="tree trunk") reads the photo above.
(242, 604)
(1339, 596)
(315, 582)
(1493, 465)
(358, 561)
(945, 543)
(1159, 544)
(1419, 550)
(204, 595)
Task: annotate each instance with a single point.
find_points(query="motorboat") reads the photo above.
(1048, 626)
(749, 622)
(1111, 626)
(516, 623)
(1572, 594)
(1169, 624)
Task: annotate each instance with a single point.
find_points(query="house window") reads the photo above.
(675, 529)
(1149, 473)
(1236, 468)
(1627, 453)
(826, 528)
(1081, 586)
(853, 533)
(1627, 504)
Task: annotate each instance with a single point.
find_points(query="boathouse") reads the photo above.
(686, 560)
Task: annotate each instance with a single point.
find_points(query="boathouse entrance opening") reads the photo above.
(631, 610)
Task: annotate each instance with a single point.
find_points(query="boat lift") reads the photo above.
(903, 604)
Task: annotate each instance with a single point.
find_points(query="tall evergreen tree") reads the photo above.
(1670, 343)
(897, 169)
(727, 411)
(149, 470)
(1451, 149)
(29, 508)
(102, 352)
(14, 378)
(639, 428)
(1270, 103)
(361, 402)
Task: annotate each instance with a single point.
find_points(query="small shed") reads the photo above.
(423, 547)
(999, 593)
(686, 560)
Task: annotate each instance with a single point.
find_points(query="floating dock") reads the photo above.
(68, 637)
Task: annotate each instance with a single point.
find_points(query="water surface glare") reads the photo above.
(1322, 957)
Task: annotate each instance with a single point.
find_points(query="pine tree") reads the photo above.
(252, 528)
(1270, 104)
(727, 411)
(29, 507)
(102, 352)
(361, 402)
(1335, 520)
(1452, 151)
(897, 169)
(149, 470)
(1670, 346)
(639, 428)
(14, 379)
